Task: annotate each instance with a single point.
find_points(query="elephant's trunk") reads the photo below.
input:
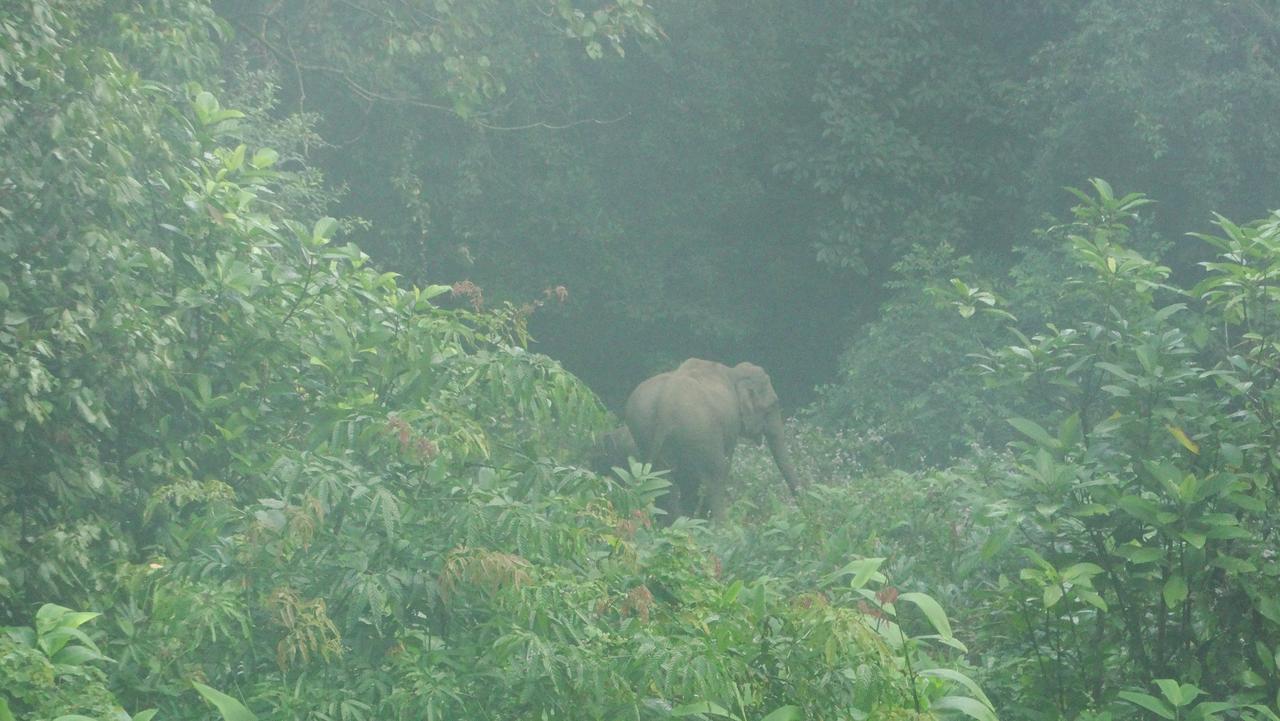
(773, 435)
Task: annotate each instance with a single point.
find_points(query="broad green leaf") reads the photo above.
(1149, 702)
(863, 570)
(1170, 690)
(75, 656)
(74, 619)
(996, 542)
(970, 707)
(1118, 372)
(1231, 455)
(230, 708)
(264, 158)
(1036, 559)
(433, 291)
(1080, 570)
(1175, 591)
(1194, 538)
(953, 675)
(1069, 432)
(1210, 709)
(1092, 598)
(1052, 594)
(1140, 508)
(205, 105)
(53, 641)
(1105, 192)
(1269, 607)
(1177, 694)
(731, 593)
(1139, 554)
(785, 713)
(1184, 439)
(698, 708)
(1233, 565)
(235, 159)
(1035, 432)
(323, 230)
(932, 610)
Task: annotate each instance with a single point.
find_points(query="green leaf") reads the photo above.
(205, 106)
(1035, 432)
(63, 617)
(1149, 702)
(1269, 607)
(1080, 570)
(1140, 508)
(785, 713)
(323, 230)
(932, 610)
(5, 713)
(1138, 553)
(1231, 455)
(698, 708)
(235, 159)
(1182, 437)
(1069, 432)
(230, 708)
(863, 570)
(1178, 695)
(1169, 688)
(264, 158)
(1210, 709)
(432, 291)
(75, 656)
(1175, 591)
(1233, 565)
(1194, 538)
(1052, 594)
(953, 675)
(204, 387)
(970, 707)
(1092, 598)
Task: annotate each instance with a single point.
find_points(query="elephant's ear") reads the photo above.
(754, 398)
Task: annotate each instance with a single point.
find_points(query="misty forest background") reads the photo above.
(313, 308)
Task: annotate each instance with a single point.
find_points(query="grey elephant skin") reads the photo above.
(689, 421)
(612, 449)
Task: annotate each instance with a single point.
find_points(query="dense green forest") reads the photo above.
(317, 319)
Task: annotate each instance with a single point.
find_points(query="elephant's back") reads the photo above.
(670, 409)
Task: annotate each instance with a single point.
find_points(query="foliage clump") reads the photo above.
(290, 484)
(1119, 555)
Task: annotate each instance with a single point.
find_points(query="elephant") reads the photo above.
(690, 419)
(612, 448)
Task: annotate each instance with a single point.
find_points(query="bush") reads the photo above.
(1137, 514)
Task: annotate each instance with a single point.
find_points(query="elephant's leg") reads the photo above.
(680, 498)
(713, 474)
(717, 499)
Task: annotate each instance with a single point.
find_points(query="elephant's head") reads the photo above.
(758, 408)
(756, 399)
